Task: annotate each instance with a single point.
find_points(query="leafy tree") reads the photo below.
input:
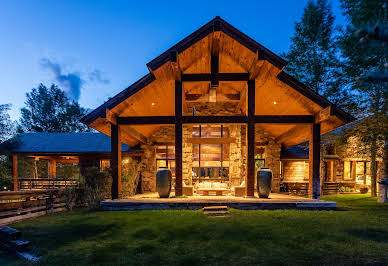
(49, 110)
(313, 54)
(363, 66)
(6, 126)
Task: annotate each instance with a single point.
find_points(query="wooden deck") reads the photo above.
(276, 201)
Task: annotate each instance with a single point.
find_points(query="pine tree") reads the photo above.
(6, 126)
(313, 54)
(364, 68)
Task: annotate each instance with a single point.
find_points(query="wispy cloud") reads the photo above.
(71, 82)
(97, 76)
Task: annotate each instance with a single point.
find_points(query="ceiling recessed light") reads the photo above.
(153, 104)
(274, 102)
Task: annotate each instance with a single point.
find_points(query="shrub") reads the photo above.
(129, 170)
(97, 185)
(341, 189)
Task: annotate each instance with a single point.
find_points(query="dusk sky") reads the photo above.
(102, 47)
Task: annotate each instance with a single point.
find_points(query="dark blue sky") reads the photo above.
(108, 43)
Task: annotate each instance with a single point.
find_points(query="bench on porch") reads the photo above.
(207, 187)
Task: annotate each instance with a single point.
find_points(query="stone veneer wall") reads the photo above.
(271, 155)
(237, 152)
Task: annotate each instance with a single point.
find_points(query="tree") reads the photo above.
(313, 54)
(362, 60)
(6, 126)
(49, 110)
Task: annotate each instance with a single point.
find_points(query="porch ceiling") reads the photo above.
(276, 92)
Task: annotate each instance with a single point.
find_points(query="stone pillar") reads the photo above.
(235, 156)
(187, 155)
(148, 173)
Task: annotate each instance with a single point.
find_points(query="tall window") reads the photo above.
(347, 169)
(165, 157)
(259, 157)
(210, 161)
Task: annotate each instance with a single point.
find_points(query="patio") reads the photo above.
(151, 201)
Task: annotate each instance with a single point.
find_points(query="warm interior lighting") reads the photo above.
(274, 102)
(153, 104)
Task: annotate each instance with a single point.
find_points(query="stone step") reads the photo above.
(216, 213)
(215, 208)
(9, 233)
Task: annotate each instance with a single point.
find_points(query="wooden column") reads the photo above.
(314, 161)
(52, 168)
(251, 140)
(116, 160)
(15, 174)
(178, 138)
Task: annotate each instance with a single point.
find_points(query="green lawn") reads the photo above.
(357, 233)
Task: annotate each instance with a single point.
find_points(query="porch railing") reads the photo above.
(46, 183)
(19, 205)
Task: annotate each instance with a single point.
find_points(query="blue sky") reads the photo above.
(108, 43)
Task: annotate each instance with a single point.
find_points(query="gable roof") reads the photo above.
(217, 24)
(69, 143)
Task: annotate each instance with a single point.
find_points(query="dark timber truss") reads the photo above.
(250, 120)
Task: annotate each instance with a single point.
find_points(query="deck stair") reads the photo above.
(10, 240)
(216, 211)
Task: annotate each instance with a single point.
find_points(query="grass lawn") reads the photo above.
(357, 233)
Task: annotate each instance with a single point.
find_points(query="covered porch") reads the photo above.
(221, 79)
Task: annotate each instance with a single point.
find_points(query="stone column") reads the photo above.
(187, 155)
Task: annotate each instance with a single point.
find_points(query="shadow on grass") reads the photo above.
(370, 234)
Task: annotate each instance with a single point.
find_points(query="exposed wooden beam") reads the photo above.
(134, 134)
(284, 119)
(251, 140)
(211, 140)
(323, 115)
(15, 173)
(256, 66)
(110, 117)
(178, 138)
(146, 120)
(116, 160)
(265, 119)
(218, 77)
(293, 132)
(314, 161)
(214, 119)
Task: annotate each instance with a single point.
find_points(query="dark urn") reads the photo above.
(264, 182)
(163, 182)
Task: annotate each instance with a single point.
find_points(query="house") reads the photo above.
(213, 108)
(56, 150)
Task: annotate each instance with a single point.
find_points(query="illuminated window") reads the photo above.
(360, 172)
(165, 157)
(210, 161)
(347, 169)
(259, 158)
(104, 164)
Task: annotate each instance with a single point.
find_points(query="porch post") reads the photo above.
(52, 168)
(178, 138)
(115, 139)
(251, 140)
(314, 161)
(15, 172)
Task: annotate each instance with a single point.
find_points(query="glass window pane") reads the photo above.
(347, 170)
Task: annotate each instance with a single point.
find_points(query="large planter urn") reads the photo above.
(264, 182)
(163, 182)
